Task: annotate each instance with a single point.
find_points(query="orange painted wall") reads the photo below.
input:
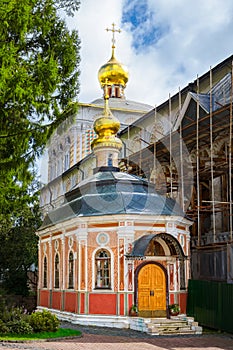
(122, 301)
(56, 300)
(44, 298)
(183, 302)
(171, 298)
(130, 300)
(103, 304)
(70, 302)
(82, 303)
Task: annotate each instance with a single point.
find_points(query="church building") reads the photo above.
(115, 241)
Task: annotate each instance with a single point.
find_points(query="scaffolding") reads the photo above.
(198, 166)
(230, 152)
(201, 126)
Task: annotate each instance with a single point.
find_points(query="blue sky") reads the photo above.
(164, 43)
(142, 22)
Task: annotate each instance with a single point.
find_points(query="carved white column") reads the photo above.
(40, 265)
(63, 248)
(126, 233)
(75, 145)
(82, 257)
(51, 264)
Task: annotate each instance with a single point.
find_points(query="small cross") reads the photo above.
(113, 30)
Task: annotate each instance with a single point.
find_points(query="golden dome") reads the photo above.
(106, 127)
(115, 73)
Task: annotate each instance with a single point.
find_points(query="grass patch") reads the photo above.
(60, 333)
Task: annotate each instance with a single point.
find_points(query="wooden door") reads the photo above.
(152, 291)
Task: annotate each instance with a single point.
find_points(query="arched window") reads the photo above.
(60, 160)
(109, 91)
(68, 140)
(71, 270)
(67, 160)
(102, 269)
(117, 92)
(67, 153)
(56, 270)
(45, 273)
(110, 159)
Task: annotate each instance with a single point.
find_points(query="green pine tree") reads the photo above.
(39, 71)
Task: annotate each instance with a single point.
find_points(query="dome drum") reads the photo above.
(106, 141)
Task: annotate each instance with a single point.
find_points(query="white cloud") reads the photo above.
(91, 21)
(198, 36)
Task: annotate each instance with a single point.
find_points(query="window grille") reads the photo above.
(71, 270)
(103, 269)
(45, 273)
(57, 282)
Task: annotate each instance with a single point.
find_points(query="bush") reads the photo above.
(3, 328)
(14, 320)
(12, 314)
(19, 327)
(44, 321)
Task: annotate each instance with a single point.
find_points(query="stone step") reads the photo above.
(175, 332)
(169, 324)
(169, 328)
(173, 326)
(164, 326)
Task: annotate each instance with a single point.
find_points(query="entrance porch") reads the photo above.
(161, 274)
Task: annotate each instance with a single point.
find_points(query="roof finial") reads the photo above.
(106, 98)
(113, 30)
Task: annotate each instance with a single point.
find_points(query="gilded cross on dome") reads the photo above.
(113, 30)
(116, 73)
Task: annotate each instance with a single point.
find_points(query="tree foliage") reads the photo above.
(70, 6)
(18, 250)
(38, 75)
(39, 60)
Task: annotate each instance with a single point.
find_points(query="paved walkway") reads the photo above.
(113, 339)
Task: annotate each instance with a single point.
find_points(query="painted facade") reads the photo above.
(86, 267)
(111, 241)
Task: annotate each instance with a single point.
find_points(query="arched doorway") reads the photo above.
(152, 290)
(164, 255)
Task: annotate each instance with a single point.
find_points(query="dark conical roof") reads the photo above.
(110, 192)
